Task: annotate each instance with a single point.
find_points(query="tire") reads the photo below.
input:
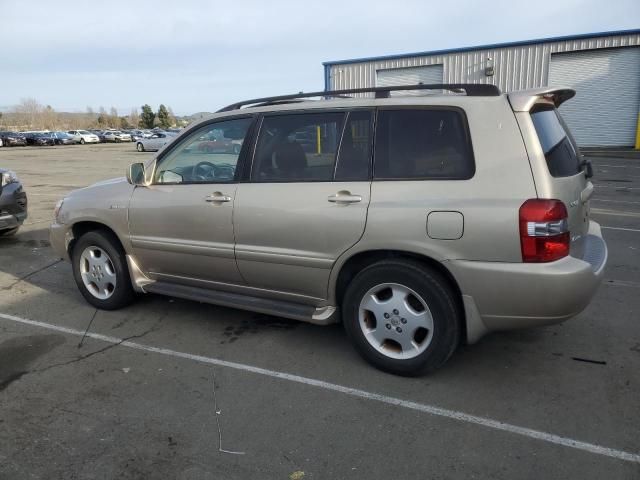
(140, 147)
(9, 233)
(82, 141)
(108, 285)
(419, 293)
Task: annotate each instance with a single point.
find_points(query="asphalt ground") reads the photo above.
(175, 389)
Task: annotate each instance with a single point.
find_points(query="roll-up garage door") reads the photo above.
(409, 76)
(604, 111)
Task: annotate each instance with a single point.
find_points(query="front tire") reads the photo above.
(140, 147)
(100, 271)
(402, 317)
(82, 141)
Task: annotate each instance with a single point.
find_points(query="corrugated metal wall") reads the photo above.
(516, 68)
(607, 82)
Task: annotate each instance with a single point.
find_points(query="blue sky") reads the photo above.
(199, 56)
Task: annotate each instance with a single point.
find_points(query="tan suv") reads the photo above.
(418, 221)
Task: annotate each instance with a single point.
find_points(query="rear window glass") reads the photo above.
(558, 147)
(422, 144)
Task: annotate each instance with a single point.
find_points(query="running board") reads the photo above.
(279, 308)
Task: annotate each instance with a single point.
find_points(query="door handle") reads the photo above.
(217, 197)
(344, 196)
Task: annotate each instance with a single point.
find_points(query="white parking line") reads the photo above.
(616, 213)
(614, 201)
(616, 166)
(354, 392)
(620, 228)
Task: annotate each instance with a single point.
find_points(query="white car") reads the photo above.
(116, 136)
(82, 136)
(155, 142)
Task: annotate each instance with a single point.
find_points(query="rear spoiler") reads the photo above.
(523, 100)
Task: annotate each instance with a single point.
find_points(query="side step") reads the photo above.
(294, 311)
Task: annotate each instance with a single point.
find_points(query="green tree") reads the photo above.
(164, 119)
(147, 117)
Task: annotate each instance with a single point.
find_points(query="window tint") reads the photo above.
(205, 157)
(559, 149)
(297, 147)
(355, 149)
(422, 144)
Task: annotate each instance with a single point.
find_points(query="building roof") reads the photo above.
(485, 47)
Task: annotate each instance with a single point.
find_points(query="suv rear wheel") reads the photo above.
(100, 271)
(402, 317)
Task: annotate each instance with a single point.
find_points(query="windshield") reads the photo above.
(84, 132)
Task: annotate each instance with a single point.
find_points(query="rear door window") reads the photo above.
(559, 148)
(297, 147)
(423, 144)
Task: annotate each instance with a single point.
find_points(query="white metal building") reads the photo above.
(603, 68)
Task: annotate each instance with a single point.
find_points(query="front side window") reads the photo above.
(423, 144)
(208, 155)
(297, 147)
(559, 150)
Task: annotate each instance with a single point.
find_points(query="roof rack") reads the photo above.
(471, 89)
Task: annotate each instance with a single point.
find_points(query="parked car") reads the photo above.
(39, 138)
(83, 136)
(155, 142)
(136, 135)
(63, 138)
(448, 217)
(116, 136)
(13, 203)
(12, 139)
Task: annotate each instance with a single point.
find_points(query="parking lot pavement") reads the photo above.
(554, 402)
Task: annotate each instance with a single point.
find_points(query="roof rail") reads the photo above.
(471, 89)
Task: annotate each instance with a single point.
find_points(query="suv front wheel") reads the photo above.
(100, 271)
(402, 317)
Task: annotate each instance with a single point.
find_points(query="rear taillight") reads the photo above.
(544, 230)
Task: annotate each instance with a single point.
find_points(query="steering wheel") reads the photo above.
(212, 174)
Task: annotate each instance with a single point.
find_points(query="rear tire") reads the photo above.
(402, 317)
(140, 147)
(9, 233)
(105, 284)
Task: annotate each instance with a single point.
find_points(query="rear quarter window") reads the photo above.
(558, 146)
(423, 144)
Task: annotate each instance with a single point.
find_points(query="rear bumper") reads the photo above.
(504, 296)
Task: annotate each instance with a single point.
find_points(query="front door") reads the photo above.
(306, 203)
(181, 225)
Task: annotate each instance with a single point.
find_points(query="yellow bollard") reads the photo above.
(638, 134)
(319, 145)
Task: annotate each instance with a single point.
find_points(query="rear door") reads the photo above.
(564, 177)
(305, 202)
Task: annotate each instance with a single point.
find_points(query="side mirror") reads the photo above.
(135, 174)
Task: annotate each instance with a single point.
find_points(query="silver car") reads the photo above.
(419, 222)
(155, 142)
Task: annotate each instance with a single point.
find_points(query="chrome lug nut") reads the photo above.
(388, 326)
(386, 315)
(403, 320)
(395, 311)
(398, 329)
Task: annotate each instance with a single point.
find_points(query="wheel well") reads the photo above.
(361, 260)
(81, 228)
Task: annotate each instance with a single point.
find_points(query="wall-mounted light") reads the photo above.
(489, 71)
